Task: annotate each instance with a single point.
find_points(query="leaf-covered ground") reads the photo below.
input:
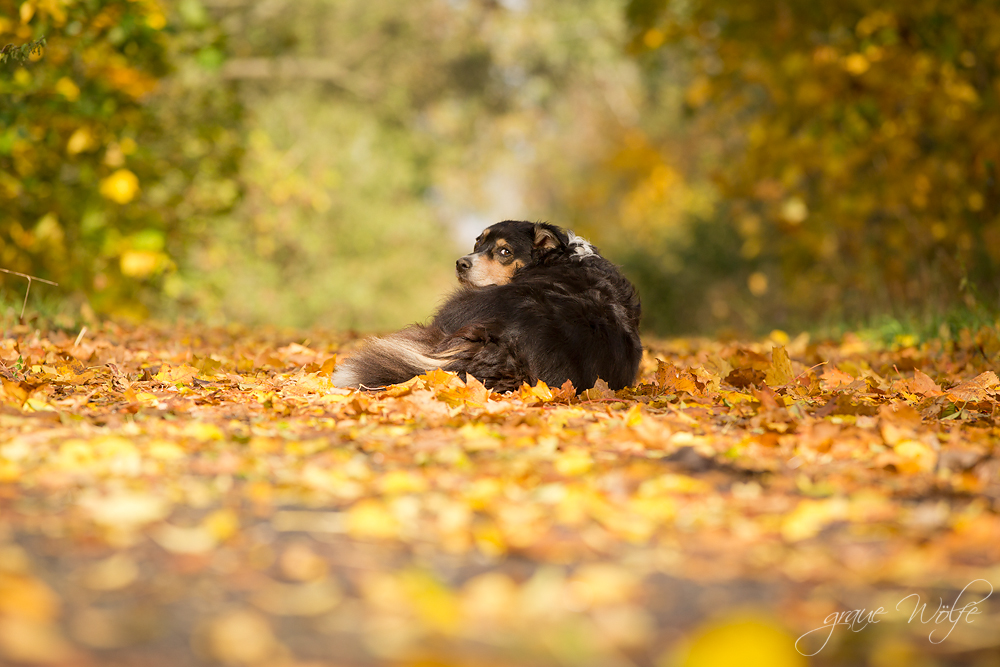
(180, 497)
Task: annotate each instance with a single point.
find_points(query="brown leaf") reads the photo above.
(14, 392)
(833, 377)
(741, 378)
(175, 374)
(598, 391)
(671, 380)
(979, 388)
(923, 384)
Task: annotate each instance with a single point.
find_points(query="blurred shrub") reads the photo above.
(114, 148)
(853, 143)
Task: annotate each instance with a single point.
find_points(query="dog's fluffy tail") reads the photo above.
(389, 360)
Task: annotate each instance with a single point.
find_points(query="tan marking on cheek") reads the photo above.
(490, 272)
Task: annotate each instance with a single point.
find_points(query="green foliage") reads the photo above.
(112, 147)
(332, 229)
(20, 54)
(856, 152)
(385, 137)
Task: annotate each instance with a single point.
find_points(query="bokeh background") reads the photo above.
(752, 164)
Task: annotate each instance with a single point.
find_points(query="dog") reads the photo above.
(536, 302)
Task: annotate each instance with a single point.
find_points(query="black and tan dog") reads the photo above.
(536, 303)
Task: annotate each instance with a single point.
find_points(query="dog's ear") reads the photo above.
(545, 238)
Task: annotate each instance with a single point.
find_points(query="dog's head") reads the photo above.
(507, 247)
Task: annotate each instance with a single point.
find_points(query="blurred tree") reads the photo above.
(113, 148)
(386, 136)
(856, 150)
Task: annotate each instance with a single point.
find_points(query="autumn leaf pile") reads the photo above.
(189, 496)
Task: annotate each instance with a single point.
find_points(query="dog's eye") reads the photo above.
(504, 252)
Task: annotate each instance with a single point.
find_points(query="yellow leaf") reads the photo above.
(489, 539)
(780, 373)
(81, 140)
(141, 263)
(491, 596)
(28, 598)
(179, 374)
(28, 642)
(736, 397)
(434, 603)
(653, 38)
(811, 516)
(671, 483)
(438, 379)
(398, 482)
(221, 524)
(124, 509)
(68, 89)
(111, 574)
(165, 450)
(539, 393)
(573, 462)
(298, 561)
(156, 18)
(916, 456)
(856, 64)
(672, 380)
(634, 415)
(748, 640)
(203, 431)
(598, 584)
(370, 519)
(13, 392)
(238, 637)
(120, 187)
(307, 599)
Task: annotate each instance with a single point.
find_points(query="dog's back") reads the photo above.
(565, 313)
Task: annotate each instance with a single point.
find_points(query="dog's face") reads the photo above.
(505, 248)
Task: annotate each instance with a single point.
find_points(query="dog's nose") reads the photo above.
(463, 264)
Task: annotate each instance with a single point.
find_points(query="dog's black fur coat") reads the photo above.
(566, 314)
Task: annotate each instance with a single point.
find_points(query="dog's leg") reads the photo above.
(482, 351)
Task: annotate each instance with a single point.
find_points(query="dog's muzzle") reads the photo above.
(462, 268)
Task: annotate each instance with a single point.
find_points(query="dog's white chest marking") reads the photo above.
(581, 247)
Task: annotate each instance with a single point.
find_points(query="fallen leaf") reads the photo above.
(780, 373)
